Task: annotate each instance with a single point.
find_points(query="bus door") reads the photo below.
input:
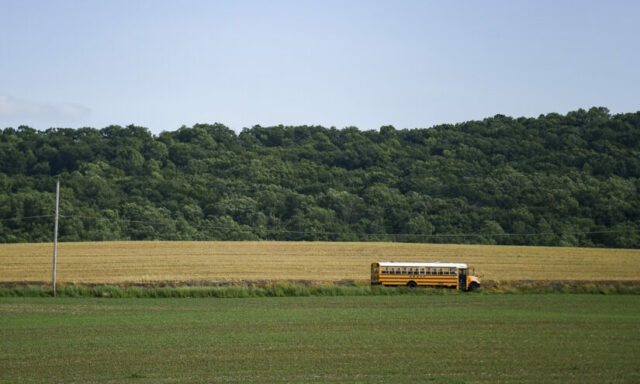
(375, 268)
(462, 279)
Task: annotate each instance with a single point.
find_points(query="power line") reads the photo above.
(328, 233)
(331, 233)
(284, 231)
(25, 217)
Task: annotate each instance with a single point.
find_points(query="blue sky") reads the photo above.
(334, 63)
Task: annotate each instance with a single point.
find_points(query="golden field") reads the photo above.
(139, 262)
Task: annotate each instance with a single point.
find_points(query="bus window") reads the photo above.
(440, 271)
(397, 271)
(452, 271)
(384, 270)
(422, 271)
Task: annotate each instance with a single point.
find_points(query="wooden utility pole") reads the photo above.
(55, 239)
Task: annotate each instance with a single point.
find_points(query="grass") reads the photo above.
(275, 290)
(406, 338)
(122, 262)
(292, 290)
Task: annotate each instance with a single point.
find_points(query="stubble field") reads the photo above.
(122, 262)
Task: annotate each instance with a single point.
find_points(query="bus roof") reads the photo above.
(431, 265)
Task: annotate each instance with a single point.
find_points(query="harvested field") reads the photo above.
(139, 262)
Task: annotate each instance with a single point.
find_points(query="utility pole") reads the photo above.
(55, 239)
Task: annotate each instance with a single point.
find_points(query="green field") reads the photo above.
(392, 339)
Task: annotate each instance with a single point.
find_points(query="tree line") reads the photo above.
(561, 180)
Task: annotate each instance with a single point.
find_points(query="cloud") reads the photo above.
(14, 109)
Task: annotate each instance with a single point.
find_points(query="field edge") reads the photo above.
(302, 288)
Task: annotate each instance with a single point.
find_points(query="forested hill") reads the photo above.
(551, 180)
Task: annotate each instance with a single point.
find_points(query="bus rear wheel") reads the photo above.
(412, 284)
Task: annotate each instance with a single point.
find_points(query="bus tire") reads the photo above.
(474, 287)
(412, 284)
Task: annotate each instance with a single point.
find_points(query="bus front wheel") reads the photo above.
(412, 284)
(473, 286)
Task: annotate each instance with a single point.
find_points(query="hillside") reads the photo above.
(568, 180)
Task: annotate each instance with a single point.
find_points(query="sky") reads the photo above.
(410, 64)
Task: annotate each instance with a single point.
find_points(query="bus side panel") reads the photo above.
(432, 281)
(438, 281)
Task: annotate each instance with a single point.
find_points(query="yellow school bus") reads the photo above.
(450, 275)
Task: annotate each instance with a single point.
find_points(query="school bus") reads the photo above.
(450, 275)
